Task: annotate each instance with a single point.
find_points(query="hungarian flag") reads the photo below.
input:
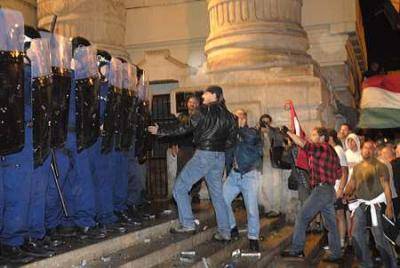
(380, 102)
(302, 158)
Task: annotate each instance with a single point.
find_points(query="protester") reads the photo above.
(324, 171)
(242, 162)
(386, 155)
(370, 186)
(214, 130)
(344, 131)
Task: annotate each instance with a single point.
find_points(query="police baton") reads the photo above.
(56, 176)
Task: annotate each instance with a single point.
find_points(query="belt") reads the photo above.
(323, 184)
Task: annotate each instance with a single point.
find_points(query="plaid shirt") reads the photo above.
(324, 163)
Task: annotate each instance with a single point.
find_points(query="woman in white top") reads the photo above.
(353, 152)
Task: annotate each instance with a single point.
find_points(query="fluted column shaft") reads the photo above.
(254, 33)
(100, 21)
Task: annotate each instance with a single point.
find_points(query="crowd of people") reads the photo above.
(71, 149)
(349, 184)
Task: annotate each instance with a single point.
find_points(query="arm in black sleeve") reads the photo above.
(231, 140)
(182, 129)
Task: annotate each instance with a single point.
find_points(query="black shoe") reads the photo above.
(234, 233)
(15, 255)
(123, 217)
(292, 254)
(90, 233)
(132, 211)
(332, 259)
(112, 228)
(253, 245)
(66, 231)
(35, 248)
(52, 239)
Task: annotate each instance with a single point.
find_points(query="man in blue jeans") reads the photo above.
(214, 130)
(324, 171)
(242, 162)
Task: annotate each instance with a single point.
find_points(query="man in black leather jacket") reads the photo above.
(214, 130)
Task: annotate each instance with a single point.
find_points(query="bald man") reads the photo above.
(386, 155)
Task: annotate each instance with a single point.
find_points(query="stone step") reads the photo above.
(216, 253)
(83, 253)
(154, 252)
(313, 251)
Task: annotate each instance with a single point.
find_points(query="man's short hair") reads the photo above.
(266, 116)
(367, 141)
(240, 110)
(192, 96)
(333, 134)
(345, 124)
(323, 132)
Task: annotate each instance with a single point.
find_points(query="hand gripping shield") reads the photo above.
(87, 97)
(12, 130)
(41, 86)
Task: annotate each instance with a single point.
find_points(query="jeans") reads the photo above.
(211, 166)
(247, 184)
(321, 199)
(360, 239)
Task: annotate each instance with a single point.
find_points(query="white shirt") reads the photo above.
(343, 162)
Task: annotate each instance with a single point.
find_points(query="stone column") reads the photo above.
(27, 7)
(100, 21)
(255, 33)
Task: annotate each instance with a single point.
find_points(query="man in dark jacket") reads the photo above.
(213, 128)
(242, 162)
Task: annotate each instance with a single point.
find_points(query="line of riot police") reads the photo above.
(68, 120)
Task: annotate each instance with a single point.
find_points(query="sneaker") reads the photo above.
(292, 254)
(234, 233)
(253, 245)
(332, 259)
(272, 214)
(182, 230)
(221, 238)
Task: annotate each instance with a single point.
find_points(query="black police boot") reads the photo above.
(52, 240)
(132, 211)
(253, 245)
(15, 255)
(35, 248)
(90, 233)
(66, 231)
(123, 217)
(234, 233)
(112, 228)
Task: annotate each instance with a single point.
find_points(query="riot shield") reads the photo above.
(12, 115)
(61, 53)
(87, 124)
(42, 85)
(128, 113)
(111, 121)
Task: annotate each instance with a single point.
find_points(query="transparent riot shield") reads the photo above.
(41, 85)
(87, 97)
(61, 55)
(12, 130)
(112, 116)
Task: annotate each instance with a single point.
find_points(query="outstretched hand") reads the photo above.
(153, 129)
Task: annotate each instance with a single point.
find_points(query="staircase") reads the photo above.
(151, 245)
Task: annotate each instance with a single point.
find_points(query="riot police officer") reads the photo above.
(25, 136)
(101, 155)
